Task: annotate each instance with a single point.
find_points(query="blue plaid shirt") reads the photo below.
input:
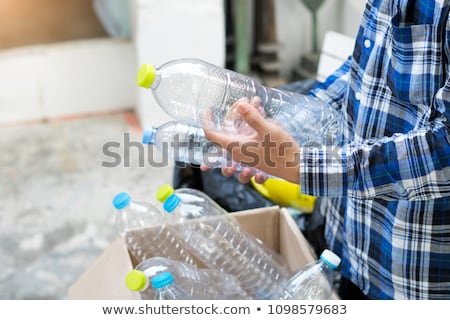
(388, 189)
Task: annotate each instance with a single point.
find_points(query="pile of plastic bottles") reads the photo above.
(191, 229)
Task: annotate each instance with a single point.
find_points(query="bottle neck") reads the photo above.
(156, 81)
(167, 287)
(327, 265)
(175, 217)
(134, 216)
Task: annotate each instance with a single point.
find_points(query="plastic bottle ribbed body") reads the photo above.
(310, 121)
(160, 242)
(231, 253)
(219, 243)
(269, 274)
(146, 233)
(201, 284)
(195, 204)
(230, 288)
(202, 94)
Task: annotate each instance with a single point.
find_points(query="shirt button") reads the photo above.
(367, 43)
(358, 96)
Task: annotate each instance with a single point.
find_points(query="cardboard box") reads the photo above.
(105, 279)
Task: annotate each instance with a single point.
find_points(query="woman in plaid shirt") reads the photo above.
(387, 189)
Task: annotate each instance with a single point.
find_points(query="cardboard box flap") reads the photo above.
(100, 281)
(293, 244)
(267, 229)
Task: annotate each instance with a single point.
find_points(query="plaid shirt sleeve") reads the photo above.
(412, 166)
(404, 163)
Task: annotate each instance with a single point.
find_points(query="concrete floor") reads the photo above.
(55, 199)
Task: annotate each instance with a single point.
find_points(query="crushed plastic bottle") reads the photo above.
(145, 231)
(218, 241)
(314, 281)
(203, 94)
(202, 284)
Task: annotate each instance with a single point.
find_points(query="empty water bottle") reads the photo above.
(145, 231)
(314, 281)
(217, 240)
(186, 143)
(199, 283)
(194, 204)
(166, 289)
(204, 94)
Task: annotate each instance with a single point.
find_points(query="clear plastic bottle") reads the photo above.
(145, 230)
(217, 240)
(194, 204)
(166, 289)
(187, 143)
(314, 281)
(202, 284)
(203, 94)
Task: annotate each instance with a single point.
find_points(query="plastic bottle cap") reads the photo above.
(162, 279)
(164, 192)
(136, 280)
(171, 203)
(330, 258)
(121, 200)
(148, 136)
(146, 75)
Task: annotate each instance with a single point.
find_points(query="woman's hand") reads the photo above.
(269, 148)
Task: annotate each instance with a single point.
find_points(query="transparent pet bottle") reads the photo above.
(219, 243)
(186, 143)
(202, 284)
(203, 94)
(166, 289)
(145, 230)
(195, 202)
(314, 281)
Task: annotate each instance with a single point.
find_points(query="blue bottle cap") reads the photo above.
(330, 258)
(148, 136)
(162, 279)
(121, 200)
(171, 203)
